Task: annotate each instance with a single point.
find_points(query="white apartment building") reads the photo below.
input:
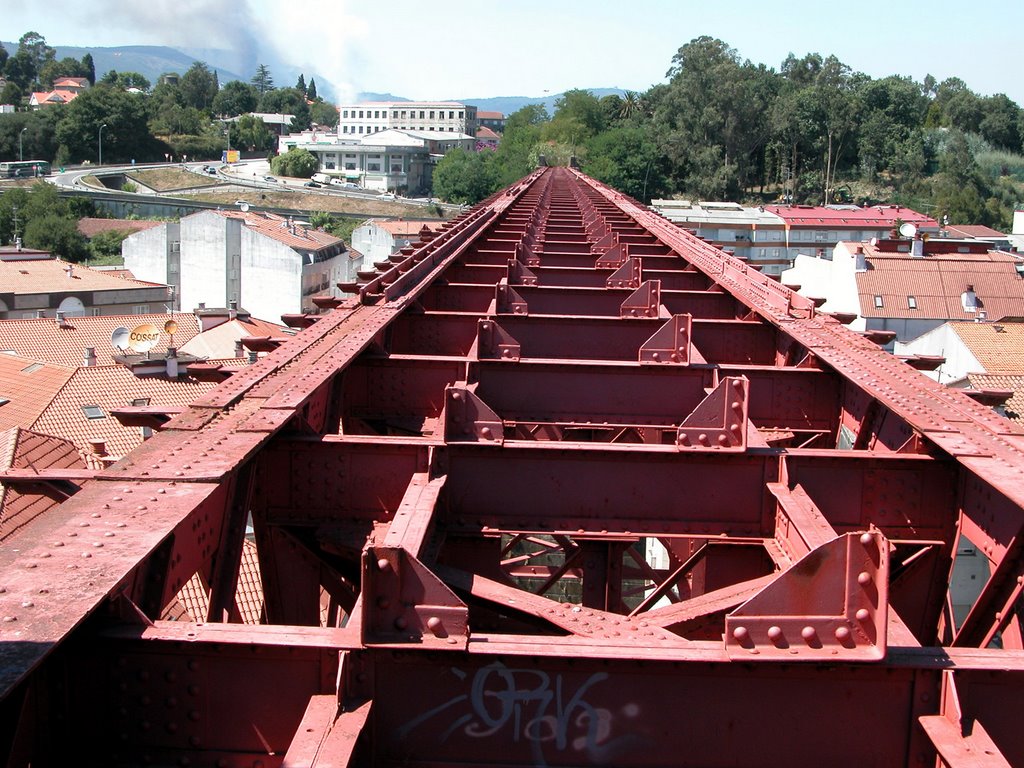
(265, 263)
(387, 161)
(429, 116)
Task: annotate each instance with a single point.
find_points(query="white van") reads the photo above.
(323, 178)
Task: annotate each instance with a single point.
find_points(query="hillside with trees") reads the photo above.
(815, 131)
(179, 115)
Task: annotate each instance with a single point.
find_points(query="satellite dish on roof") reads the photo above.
(119, 338)
(908, 229)
(143, 338)
(244, 207)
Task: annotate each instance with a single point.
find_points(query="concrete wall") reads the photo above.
(943, 341)
(271, 277)
(204, 245)
(374, 242)
(146, 253)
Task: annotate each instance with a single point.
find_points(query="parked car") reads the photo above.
(310, 184)
(270, 178)
(350, 185)
(387, 196)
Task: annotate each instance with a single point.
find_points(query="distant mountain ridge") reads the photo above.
(152, 61)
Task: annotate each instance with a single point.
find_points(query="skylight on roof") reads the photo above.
(4, 400)
(93, 412)
(878, 302)
(912, 302)
(32, 368)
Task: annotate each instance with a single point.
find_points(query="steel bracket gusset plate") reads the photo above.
(671, 344)
(520, 274)
(525, 253)
(508, 301)
(495, 343)
(644, 302)
(467, 418)
(629, 275)
(831, 605)
(404, 602)
(615, 255)
(603, 244)
(719, 422)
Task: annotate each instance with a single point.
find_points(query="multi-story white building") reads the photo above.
(387, 161)
(430, 116)
(265, 263)
(771, 237)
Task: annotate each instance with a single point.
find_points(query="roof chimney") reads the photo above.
(233, 309)
(172, 362)
(254, 357)
(70, 270)
(89, 360)
(861, 259)
(239, 349)
(99, 446)
(62, 321)
(40, 313)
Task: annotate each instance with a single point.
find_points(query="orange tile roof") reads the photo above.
(483, 132)
(51, 276)
(43, 339)
(1014, 382)
(218, 343)
(973, 230)
(110, 386)
(999, 347)
(90, 227)
(28, 386)
(403, 228)
(22, 449)
(274, 226)
(483, 114)
(937, 282)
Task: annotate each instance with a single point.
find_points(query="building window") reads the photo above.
(911, 302)
(93, 412)
(394, 114)
(451, 115)
(403, 114)
(140, 401)
(96, 311)
(344, 113)
(373, 167)
(360, 113)
(878, 302)
(421, 114)
(460, 114)
(140, 309)
(431, 114)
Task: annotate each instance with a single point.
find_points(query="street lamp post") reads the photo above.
(21, 153)
(101, 142)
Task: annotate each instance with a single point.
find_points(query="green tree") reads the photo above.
(105, 247)
(626, 158)
(999, 122)
(199, 86)
(252, 133)
(38, 142)
(57, 234)
(300, 85)
(311, 90)
(125, 80)
(34, 46)
(89, 69)
(466, 177)
(323, 113)
(236, 98)
(11, 94)
(298, 163)
(288, 101)
(263, 80)
(4, 55)
(126, 135)
(54, 69)
(20, 70)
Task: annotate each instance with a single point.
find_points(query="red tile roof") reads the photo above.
(28, 386)
(54, 276)
(1013, 382)
(56, 96)
(44, 339)
(218, 343)
(999, 347)
(483, 132)
(487, 115)
(110, 386)
(23, 449)
(276, 227)
(937, 282)
(973, 230)
(404, 228)
(90, 227)
(883, 216)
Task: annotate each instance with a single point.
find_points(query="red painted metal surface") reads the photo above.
(558, 485)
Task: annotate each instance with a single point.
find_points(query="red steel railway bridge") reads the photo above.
(560, 485)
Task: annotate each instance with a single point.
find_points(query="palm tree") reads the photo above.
(630, 104)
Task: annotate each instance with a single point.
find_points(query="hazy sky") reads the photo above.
(420, 49)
